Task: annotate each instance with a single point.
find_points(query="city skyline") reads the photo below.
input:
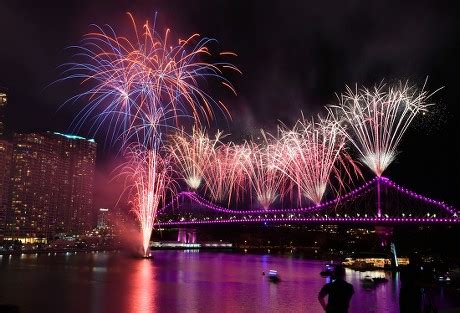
(47, 186)
(229, 156)
(427, 158)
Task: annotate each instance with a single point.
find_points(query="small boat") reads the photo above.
(380, 280)
(368, 282)
(273, 276)
(444, 278)
(328, 270)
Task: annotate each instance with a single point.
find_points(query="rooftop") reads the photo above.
(74, 137)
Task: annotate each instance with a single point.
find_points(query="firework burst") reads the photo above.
(139, 85)
(192, 154)
(218, 173)
(144, 80)
(312, 152)
(224, 175)
(264, 174)
(149, 178)
(376, 119)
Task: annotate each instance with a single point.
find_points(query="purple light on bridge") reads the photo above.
(374, 220)
(347, 197)
(204, 202)
(415, 195)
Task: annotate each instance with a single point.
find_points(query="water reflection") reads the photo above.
(382, 297)
(97, 267)
(178, 281)
(141, 287)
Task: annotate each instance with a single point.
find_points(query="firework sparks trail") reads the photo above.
(218, 174)
(376, 120)
(240, 161)
(313, 151)
(224, 176)
(137, 85)
(192, 154)
(144, 82)
(265, 177)
(301, 159)
(149, 179)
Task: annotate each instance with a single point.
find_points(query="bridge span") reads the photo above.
(398, 205)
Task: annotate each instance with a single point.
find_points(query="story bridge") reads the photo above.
(379, 201)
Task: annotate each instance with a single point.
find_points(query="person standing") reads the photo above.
(339, 293)
(412, 280)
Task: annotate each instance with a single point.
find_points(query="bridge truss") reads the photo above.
(397, 205)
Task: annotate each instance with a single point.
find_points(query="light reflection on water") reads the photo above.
(178, 281)
(141, 288)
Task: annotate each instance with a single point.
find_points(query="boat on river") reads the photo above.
(273, 276)
(328, 270)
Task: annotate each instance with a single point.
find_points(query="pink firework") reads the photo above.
(139, 84)
(192, 153)
(240, 162)
(263, 171)
(149, 182)
(143, 79)
(223, 175)
(376, 120)
(312, 152)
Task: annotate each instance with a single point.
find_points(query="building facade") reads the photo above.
(103, 218)
(6, 155)
(3, 101)
(52, 183)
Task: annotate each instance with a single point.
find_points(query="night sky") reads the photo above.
(295, 55)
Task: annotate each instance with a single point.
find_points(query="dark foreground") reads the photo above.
(181, 281)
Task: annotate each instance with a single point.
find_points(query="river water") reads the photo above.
(176, 281)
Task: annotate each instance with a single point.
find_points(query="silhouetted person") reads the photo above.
(410, 293)
(339, 293)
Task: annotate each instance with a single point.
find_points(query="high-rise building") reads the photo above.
(6, 154)
(51, 186)
(102, 218)
(80, 214)
(3, 100)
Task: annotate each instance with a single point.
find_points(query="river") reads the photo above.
(177, 281)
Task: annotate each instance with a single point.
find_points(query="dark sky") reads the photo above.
(295, 55)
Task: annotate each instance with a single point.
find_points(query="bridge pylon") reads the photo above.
(379, 205)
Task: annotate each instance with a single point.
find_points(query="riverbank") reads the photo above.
(54, 251)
